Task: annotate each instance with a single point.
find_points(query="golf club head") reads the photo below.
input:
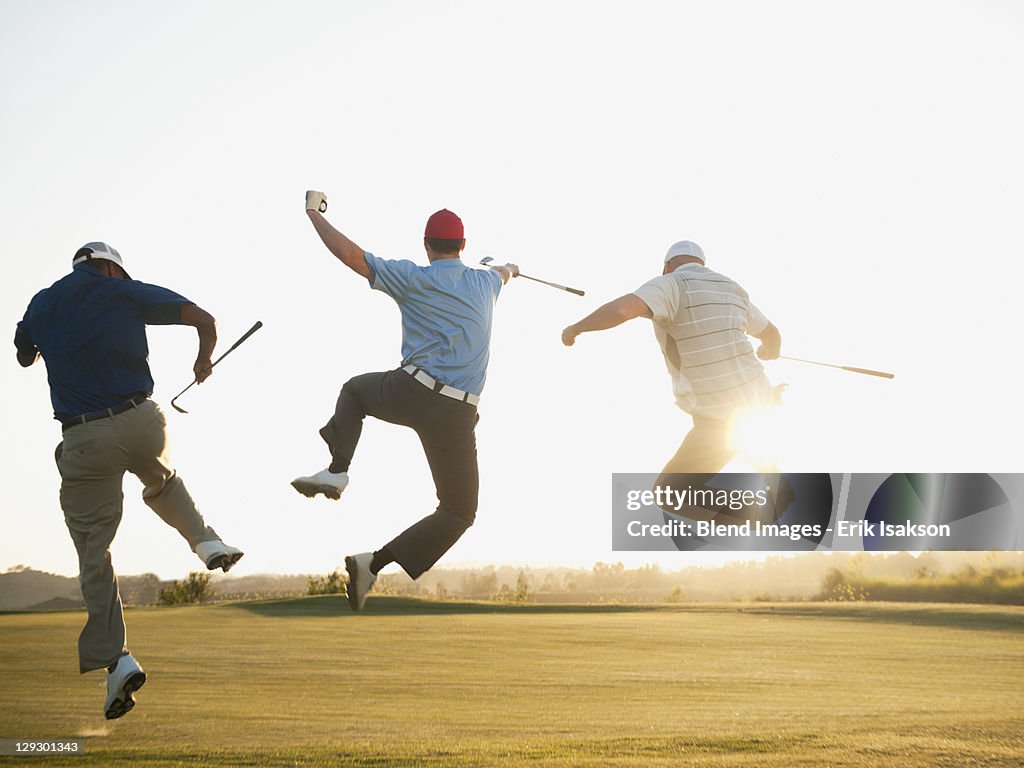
(486, 260)
(177, 407)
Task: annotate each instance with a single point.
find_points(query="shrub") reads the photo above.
(331, 584)
(195, 589)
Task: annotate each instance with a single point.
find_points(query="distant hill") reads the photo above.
(936, 576)
(22, 588)
(58, 604)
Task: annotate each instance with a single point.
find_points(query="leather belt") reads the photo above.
(431, 383)
(135, 402)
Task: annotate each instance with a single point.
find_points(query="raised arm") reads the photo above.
(609, 315)
(206, 325)
(350, 254)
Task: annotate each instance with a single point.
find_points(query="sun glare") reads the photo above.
(756, 436)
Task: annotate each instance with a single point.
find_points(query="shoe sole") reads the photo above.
(310, 490)
(124, 705)
(224, 561)
(351, 589)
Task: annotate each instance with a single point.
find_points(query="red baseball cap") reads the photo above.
(444, 225)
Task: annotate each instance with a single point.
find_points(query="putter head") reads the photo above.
(486, 260)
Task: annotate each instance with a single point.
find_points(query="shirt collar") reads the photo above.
(447, 263)
(684, 266)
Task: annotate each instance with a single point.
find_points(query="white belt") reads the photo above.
(430, 382)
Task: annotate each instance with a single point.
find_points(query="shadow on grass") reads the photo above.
(331, 605)
(1000, 618)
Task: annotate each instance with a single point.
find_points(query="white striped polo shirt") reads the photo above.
(702, 320)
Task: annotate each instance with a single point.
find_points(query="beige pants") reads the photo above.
(92, 461)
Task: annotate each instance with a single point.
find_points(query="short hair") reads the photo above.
(444, 245)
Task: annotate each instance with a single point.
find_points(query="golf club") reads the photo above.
(851, 369)
(486, 260)
(246, 335)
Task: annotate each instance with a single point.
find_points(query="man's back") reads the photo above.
(447, 310)
(91, 332)
(702, 320)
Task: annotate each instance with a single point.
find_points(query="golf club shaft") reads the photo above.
(256, 326)
(850, 368)
(577, 291)
(487, 261)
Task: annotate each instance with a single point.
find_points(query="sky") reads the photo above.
(857, 167)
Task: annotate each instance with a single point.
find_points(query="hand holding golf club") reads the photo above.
(316, 201)
(203, 367)
(486, 261)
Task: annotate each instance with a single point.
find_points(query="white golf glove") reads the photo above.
(316, 201)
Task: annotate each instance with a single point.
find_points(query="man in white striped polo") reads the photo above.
(702, 320)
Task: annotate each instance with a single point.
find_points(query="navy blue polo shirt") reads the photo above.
(91, 331)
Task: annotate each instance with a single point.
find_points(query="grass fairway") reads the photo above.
(409, 683)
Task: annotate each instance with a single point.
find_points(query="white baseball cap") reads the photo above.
(98, 250)
(684, 248)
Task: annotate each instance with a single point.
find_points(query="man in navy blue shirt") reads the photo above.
(446, 334)
(90, 329)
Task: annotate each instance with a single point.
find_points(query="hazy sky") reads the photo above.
(857, 167)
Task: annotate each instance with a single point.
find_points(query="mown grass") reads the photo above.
(414, 683)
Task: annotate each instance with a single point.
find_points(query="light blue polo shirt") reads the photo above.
(446, 316)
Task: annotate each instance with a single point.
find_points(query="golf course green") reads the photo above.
(304, 682)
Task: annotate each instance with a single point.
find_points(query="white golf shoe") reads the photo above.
(360, 579)
(216, 554)
(126, 678)
(330, 484)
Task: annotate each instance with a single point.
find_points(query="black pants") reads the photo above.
(446, 430)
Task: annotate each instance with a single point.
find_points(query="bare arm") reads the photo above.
(609, 315)
(771, 343)
(206, 325)
(350, 254)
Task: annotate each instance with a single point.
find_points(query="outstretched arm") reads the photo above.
(506, 272)
(206, 325)
(609, 315)
(350, 254)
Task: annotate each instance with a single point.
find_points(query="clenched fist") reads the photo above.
(316, 201)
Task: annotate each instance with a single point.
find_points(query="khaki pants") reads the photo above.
(704, 449)
(92, 461)
(703, 452)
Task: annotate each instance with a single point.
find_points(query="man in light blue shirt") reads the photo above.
(446, 315)
(447, 310)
